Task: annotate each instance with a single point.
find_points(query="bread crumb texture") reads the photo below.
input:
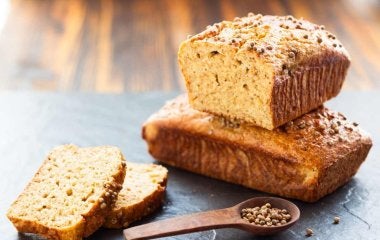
(142, 193)
(71, 192)
(265, 70)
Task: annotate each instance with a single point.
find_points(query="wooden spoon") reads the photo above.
(221, 218)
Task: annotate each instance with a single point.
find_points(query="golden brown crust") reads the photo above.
(126, 216)
(31, 226)
(278, 40)
(89, 221)
(282, 66)
(140, 198)
(97, 216)
(305, 159)
(307, 86)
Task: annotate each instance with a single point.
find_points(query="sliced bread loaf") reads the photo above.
(142, 193)
(266, 70)
(69, 196)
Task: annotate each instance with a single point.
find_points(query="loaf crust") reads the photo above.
(143, 192)
(87, 220)
(266, 70)
(305, 159)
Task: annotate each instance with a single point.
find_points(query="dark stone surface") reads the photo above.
(31, 124)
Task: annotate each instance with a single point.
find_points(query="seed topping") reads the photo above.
(301, 124)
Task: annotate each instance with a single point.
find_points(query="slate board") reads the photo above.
(33, 123)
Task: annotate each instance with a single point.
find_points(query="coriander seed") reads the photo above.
(336, 220)
(266, 215)
(309, 232)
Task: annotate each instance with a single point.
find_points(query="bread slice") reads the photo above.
(266, 70)
(143, 192)
(305, 159)
(71, 193)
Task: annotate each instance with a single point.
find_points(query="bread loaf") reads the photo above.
(143, 192)
(71, 193)
(305, 159)
(266, 70)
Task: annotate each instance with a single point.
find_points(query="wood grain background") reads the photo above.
(116, 46)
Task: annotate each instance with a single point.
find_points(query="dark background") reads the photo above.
(33, 123)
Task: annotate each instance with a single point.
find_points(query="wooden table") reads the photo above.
(32, 123)
(116, 46)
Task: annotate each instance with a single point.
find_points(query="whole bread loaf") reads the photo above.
(266, 70)
(143, 192)
(72, 192)
(305, 159)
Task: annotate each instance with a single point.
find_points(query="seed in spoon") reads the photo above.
(266, 215)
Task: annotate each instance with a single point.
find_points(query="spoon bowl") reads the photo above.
(276, 203)
(221, 218)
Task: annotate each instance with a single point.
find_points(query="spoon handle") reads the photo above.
(184, 224)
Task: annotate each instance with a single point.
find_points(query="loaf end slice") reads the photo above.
(143, 192)
(71, 193)
(305, 159)
(266, 70)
